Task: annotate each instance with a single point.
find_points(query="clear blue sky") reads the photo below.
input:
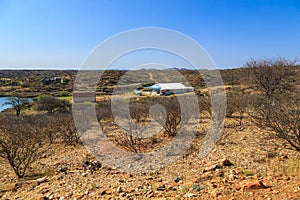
(51, 34)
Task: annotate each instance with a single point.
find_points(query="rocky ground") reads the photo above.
(247, 163)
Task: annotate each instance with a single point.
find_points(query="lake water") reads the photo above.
(3, 106)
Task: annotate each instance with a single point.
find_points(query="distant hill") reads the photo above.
(27, 83)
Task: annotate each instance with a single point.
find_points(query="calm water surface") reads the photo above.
(3, 100)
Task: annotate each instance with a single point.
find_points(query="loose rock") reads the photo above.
(161, 188)
(252, 184)
(189, 195)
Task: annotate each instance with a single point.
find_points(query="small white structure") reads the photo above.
(166, 89)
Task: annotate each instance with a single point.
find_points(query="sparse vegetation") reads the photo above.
(131, 129)
(43, 143)
(281, 114)
(271, 75)
(53, 105)
(21, 139)
(68, 130)
(278, 107)
(169, 115)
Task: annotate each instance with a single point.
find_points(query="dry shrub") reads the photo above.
(170, 116)
(278, 106)
(237, 103)
(68, 129)
(132, 121)
(281, 114)
(270, 75)
(21, 139)
(51, 127)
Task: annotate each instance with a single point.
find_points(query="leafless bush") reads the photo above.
(170, 116)
(130, 121)
(232, 104)
(237, 102)
(68, 129)
(139, 111)
(278, 108)
(51, 126)
(128, 137)
(269, 75)
(218, 111)
(281, 114)
(20, 141)
(242, 106)
(130, 127)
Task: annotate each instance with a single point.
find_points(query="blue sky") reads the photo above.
(59, 34)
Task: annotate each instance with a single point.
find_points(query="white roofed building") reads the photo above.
(169, 88)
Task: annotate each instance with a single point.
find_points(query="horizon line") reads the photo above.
(116, 69)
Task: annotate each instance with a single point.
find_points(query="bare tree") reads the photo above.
(51, 126)
(20, 141)
(171, 117)
(17, 103)
(68, 129)
(232, 104)
(130, 126)
(242, 106)
(269, 75)
(218, 111)
(281, 115)
(237, 102)
(278, 108)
